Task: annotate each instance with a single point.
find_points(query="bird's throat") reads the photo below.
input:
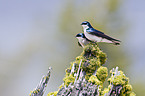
(85, 27)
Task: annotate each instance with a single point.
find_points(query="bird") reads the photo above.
(82, 40)
(96, 35)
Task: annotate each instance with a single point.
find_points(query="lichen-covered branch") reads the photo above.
(86, 75)
(39, 90)
(119, 85)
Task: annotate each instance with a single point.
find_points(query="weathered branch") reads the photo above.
(115, 90)
(39, 90)
(80, 87)
(83, 72)
(86, 76)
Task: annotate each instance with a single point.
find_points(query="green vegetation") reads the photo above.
(90, 62)
(52, 93)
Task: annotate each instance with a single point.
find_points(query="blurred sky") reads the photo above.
(30, 42)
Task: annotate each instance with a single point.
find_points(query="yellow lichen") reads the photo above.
(102, 57)
(119, 79)
(132, 94)
(30, 93)
(68, 79)
(93, 79)
(102, 73)
(128, 88)
(61, 86)
(105, 92)
(35, 91)
(91, 58)
(94, 62)
(52, 93)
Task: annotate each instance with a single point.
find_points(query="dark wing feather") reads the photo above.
(79, 44)
(101, 34)
(88, 40)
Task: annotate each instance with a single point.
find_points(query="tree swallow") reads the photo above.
(97, 36)
(82, 39)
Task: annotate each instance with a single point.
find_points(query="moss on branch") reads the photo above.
(87, 74)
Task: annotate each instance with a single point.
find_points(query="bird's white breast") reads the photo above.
(92, 37)
(83, 41)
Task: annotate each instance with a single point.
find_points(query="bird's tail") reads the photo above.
(116, 42)
(113, 41)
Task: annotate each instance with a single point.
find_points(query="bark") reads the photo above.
(39, 90)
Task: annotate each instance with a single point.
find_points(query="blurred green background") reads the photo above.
(36, 34)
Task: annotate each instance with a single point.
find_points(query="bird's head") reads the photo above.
(80, 35)
(86, 25)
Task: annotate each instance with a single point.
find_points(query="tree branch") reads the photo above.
(39, 90)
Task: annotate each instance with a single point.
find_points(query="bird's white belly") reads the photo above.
(96, 38)
(92, 37)
(83, 41)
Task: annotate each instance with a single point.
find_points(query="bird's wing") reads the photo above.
(101, 34)
(79, 44)
(88, 40)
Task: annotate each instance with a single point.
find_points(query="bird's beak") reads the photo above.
(81, 23)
